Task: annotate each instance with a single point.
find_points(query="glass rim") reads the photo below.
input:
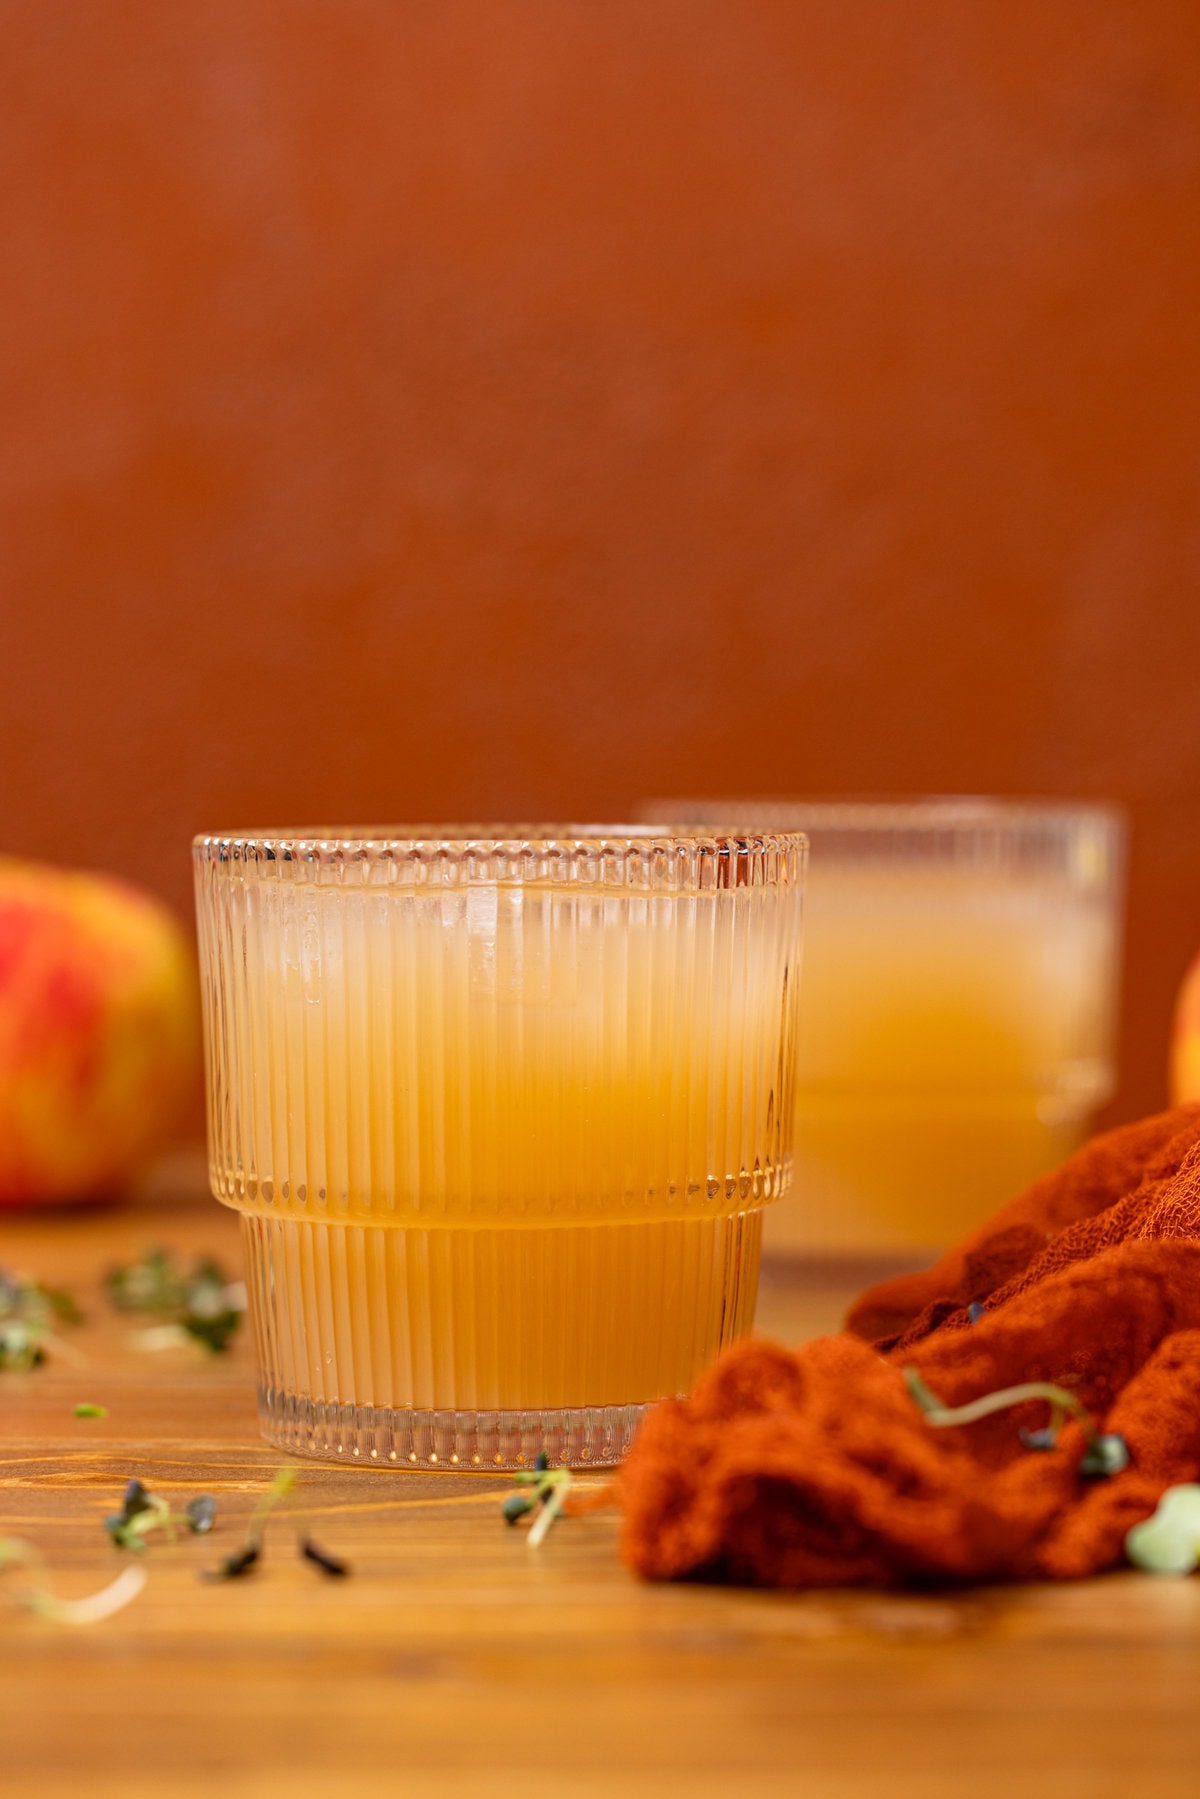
(870, 812)
(502, 839)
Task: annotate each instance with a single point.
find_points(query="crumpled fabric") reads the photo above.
(816, 1468)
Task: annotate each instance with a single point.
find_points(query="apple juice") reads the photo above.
(955, 1040)
(501, 1146)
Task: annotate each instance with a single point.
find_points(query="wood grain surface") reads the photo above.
(456, 1660)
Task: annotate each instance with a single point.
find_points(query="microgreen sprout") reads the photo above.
(329, 1564)
(202, 1514)
(203, 1304)
(36, 1594)
(1106, 1453)
(248, 1557)
(143, 1512)
(1168, 1542)
(28, 1314)
(542, 1492)
(240, 1562)
(283, 1483)
(152, 1284)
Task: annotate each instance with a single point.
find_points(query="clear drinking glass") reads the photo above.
(957, 1027)
(500, 1108)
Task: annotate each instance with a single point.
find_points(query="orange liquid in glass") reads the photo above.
(501, 1147)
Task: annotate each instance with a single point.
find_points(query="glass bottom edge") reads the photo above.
(449, 1441)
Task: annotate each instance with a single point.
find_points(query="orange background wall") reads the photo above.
(415, 408)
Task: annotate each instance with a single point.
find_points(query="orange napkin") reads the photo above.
(818, 1467)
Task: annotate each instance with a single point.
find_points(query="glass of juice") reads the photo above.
(500, 1108)
(960, 977)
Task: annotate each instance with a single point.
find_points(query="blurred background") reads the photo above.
(514, 408)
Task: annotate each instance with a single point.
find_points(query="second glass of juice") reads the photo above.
(501, 1109)
(960, 980)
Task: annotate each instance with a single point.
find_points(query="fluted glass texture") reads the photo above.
(501, 1110)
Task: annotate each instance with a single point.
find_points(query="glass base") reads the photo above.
(482, 1348)
(571, 1437)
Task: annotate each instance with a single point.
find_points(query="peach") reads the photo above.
(1184, 1074)
(99, 1041)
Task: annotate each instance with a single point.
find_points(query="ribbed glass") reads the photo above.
(957, 1035)
(500, 1110)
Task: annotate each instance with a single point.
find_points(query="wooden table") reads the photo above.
(456, 1660)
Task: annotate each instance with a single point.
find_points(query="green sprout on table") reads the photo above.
(1168, 1542)
(201, 1303)
(542, 1492)
(245, 1559)
(29, 1313)
(35, 1594)
(143, 1512)
(1107, 1452)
